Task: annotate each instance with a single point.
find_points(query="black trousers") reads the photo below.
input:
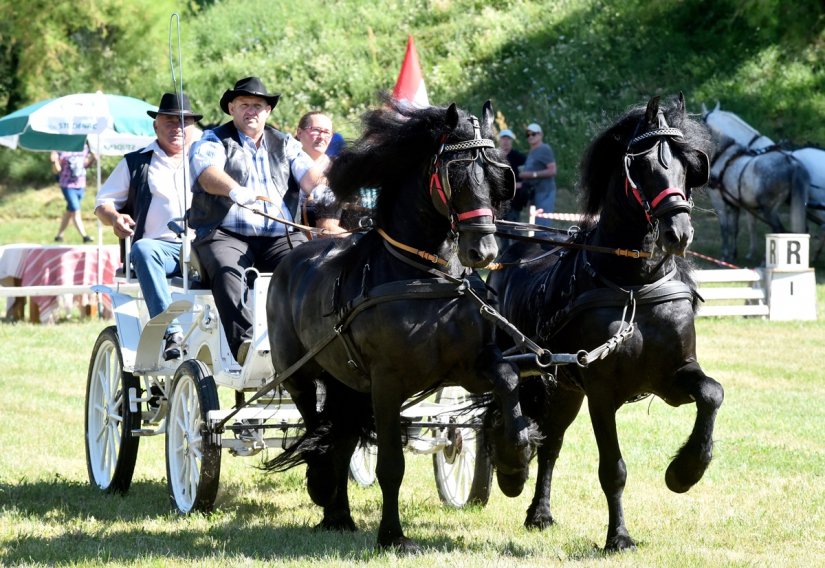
(224, 256)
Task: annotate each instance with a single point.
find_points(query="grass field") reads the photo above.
(760, 504)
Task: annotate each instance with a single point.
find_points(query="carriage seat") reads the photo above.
(196, 276)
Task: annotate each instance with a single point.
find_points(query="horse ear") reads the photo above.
(704, 110)
(652, 111)
(698, 172)
(681, 105)
(487, 117)
(452, 117)
(717, 106)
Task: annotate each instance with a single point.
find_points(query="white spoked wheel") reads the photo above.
(463, 471)
(362, 464)
(111, 449)
(193, 463)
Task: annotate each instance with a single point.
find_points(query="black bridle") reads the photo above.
(656, 207)
(440, 191)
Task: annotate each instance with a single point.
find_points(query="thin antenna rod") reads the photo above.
(178, 90)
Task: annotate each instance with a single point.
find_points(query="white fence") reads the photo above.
(731, 292)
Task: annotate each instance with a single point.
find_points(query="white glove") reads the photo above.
(243, 196)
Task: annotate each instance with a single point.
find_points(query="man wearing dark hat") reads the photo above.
(146, 190)
(232, 167)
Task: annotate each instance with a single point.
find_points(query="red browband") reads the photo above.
(475, 213)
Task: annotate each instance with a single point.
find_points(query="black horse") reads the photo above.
(622, 292)
(377, 319)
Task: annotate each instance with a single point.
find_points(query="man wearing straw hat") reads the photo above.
(145, 191)
(238, 164)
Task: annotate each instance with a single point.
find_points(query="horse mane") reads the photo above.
(397, 145)
(603, 159)
(396, 140)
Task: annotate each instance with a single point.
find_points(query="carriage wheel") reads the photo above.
(463, 471)
(362, 464)
(193, 463)
(111, 449)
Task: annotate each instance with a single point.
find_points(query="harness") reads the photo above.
(738, 151)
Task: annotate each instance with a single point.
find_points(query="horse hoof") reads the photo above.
(343, 524)
(538, 521)
(683, 473)
(619, 543)
(401, 545)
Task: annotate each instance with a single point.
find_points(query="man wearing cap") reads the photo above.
(539, 172)
(240, 163)
(146, 190)
(516, 159)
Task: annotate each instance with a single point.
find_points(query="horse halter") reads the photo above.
(655, 208)
(441, 192)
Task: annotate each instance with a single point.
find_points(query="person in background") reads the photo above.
(70, 168)
(539, 172)
(516, 159)
(145, 191)
(232, 166)
(314, 132)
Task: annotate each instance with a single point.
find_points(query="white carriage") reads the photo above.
(133, 393)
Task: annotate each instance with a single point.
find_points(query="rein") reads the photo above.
(435, 259)
(627, 253)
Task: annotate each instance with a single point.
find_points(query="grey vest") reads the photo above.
(208, 210)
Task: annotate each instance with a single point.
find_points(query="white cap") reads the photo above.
(506, 132)
(533, 127)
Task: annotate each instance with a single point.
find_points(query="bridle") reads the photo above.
(655, 208)
(440, 191)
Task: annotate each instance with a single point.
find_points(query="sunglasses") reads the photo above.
(529, 134)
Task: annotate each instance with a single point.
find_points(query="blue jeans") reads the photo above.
(153, 261)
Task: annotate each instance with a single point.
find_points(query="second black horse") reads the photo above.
(622, 292)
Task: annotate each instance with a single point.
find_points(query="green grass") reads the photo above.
(760, 503)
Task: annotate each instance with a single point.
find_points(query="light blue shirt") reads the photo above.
(209, 151)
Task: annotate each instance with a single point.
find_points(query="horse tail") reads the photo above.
(346, 414)
(800, 185)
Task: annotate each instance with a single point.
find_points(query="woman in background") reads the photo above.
(70, 168)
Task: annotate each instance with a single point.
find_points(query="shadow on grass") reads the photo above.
(83, 525)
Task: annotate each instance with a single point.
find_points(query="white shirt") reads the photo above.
(170, 197)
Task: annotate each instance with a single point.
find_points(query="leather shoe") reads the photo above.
(243, 351)
(173, 346)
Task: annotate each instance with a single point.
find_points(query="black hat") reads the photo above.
(169, 104)
(251, 87)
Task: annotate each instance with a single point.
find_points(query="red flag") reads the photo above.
(410, 85)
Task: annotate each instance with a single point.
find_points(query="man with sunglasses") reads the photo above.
(539, 172)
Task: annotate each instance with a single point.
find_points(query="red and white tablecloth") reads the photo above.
(59, 266)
